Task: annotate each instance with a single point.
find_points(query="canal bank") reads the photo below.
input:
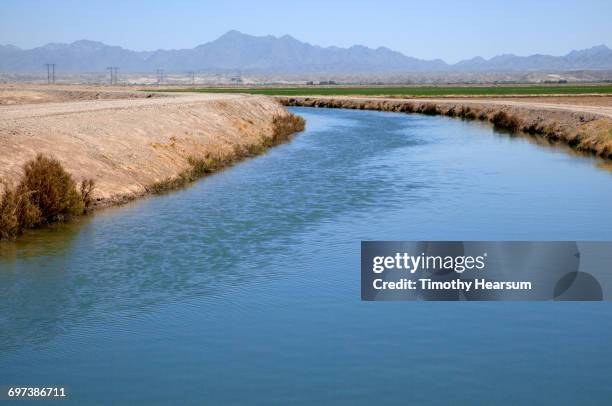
(122, 149)
(584, 128)
(133, 146)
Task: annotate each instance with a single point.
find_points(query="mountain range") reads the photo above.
(237, 52)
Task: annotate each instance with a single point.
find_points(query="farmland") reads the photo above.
(414, 91)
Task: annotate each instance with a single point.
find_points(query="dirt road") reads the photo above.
(15, 94)
(77, 107)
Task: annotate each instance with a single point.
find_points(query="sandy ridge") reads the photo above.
(126, 145)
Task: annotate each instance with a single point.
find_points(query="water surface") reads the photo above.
(244, 288)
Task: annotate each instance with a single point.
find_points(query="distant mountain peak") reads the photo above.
(88, 42)
(8, 48)
(237, 51)
(88, 45)
(287, 37)
(232, 33)
(600, 47)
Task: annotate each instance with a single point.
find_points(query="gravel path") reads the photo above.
(76, 107)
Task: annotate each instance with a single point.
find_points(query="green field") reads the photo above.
(410, 91)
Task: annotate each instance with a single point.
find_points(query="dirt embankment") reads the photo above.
(584, 126)
(126, 145)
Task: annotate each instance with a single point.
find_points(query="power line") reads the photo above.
(50, 73)
(113, 74)
(160, 76)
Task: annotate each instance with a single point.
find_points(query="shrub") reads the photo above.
(407, 107)
(467, 113)
(283, 127)
(451, 112)
(503, 120)
(46, 193)
(53, 190)
(9, 221)
(429, 109)
(87, 188)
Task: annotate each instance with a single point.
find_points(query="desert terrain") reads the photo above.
(127, 139)
(15, 94)
(123, 139)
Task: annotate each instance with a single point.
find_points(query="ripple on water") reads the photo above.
(252, 275)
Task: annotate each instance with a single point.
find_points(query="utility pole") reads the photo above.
(113, 74)
(192, 76)
(160, 76)
(50, 73)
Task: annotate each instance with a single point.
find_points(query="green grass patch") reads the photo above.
(411, 91)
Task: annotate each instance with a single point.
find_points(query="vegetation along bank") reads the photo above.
(582, 130)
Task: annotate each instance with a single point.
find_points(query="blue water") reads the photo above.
(244, 288)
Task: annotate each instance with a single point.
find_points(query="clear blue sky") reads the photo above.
(450, 30)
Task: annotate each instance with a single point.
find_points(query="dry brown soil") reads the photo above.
(125, 141)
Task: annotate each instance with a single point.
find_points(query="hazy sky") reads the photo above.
(450, 30)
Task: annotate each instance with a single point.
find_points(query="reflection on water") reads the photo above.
(560, 146)
(49, 241)
(246, 285)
